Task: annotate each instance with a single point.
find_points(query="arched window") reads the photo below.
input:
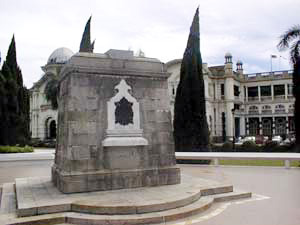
(253, 109)
(279, 109)
(266, 109)
(291, 108)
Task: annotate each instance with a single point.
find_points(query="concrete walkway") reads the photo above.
(38, 154)
(280, 188)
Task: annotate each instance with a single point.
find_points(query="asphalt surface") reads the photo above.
(281, 186)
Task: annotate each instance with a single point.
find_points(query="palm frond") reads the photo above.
(51, 92)
(295, 51)
(288, 36)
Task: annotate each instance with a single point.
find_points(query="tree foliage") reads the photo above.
(14, 102)
(190, 124)
(85, 44)
(291, 40)
(51, 91)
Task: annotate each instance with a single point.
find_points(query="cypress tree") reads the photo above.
(190, 124)
(85, 44)
(17, 106)
(11, 107)
(3, 110)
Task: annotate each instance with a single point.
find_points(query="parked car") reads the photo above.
(240, 140)
(249, 138)
(277, 139)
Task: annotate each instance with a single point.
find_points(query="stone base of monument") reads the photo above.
(38, 201)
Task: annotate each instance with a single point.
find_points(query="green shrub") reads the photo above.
(15, 149)
(227, 145)
(270, 146)
(43, 143)
(250, 146)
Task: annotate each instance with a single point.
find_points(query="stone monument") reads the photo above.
(114, 124)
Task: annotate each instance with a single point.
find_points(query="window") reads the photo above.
(279, 109)
(280, 126)
(252, 91)
(267, 126)
(222, 90)
(291, 108)
(266, 109)
(278, 89)
(236, 106)
(236, 90)
(265, 90)
(253, 110)
(291, 124)
(253, 126)
(290, 89)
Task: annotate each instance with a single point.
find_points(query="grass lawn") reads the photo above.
(258, 163)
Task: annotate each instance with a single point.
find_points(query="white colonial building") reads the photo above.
(243, 104)
(263, 103)
(43, 119)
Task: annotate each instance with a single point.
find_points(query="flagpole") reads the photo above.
(272, 56)
(271, 62)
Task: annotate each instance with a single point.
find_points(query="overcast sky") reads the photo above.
(249, 29)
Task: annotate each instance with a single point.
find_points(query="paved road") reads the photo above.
(38, 154)
(281, 185)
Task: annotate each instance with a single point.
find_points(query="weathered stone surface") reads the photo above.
(83, 162)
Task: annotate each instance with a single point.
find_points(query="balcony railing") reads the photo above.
(279, 111)
(253, 112)
(266, 111)
(265, 98)
(279, 97)
(253, 99)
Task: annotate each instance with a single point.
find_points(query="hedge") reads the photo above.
(15, 149)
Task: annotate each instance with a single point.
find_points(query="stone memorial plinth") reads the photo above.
(114, 124)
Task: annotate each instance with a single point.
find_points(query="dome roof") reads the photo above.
(228, 54)
(239, 62)
(59, 56)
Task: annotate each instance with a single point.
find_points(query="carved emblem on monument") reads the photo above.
(124, 113)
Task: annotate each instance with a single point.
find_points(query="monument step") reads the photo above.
(135, 219)
(232, 196)
(8, 202)
(37, 196)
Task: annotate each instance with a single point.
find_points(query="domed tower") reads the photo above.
(43, 118)
(228, 64)
(228, 58)
(57, 59)
(229, 94)
(239, 67)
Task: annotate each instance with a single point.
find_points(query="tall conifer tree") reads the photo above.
(190, 124)
(17, 104)
(85, 44)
